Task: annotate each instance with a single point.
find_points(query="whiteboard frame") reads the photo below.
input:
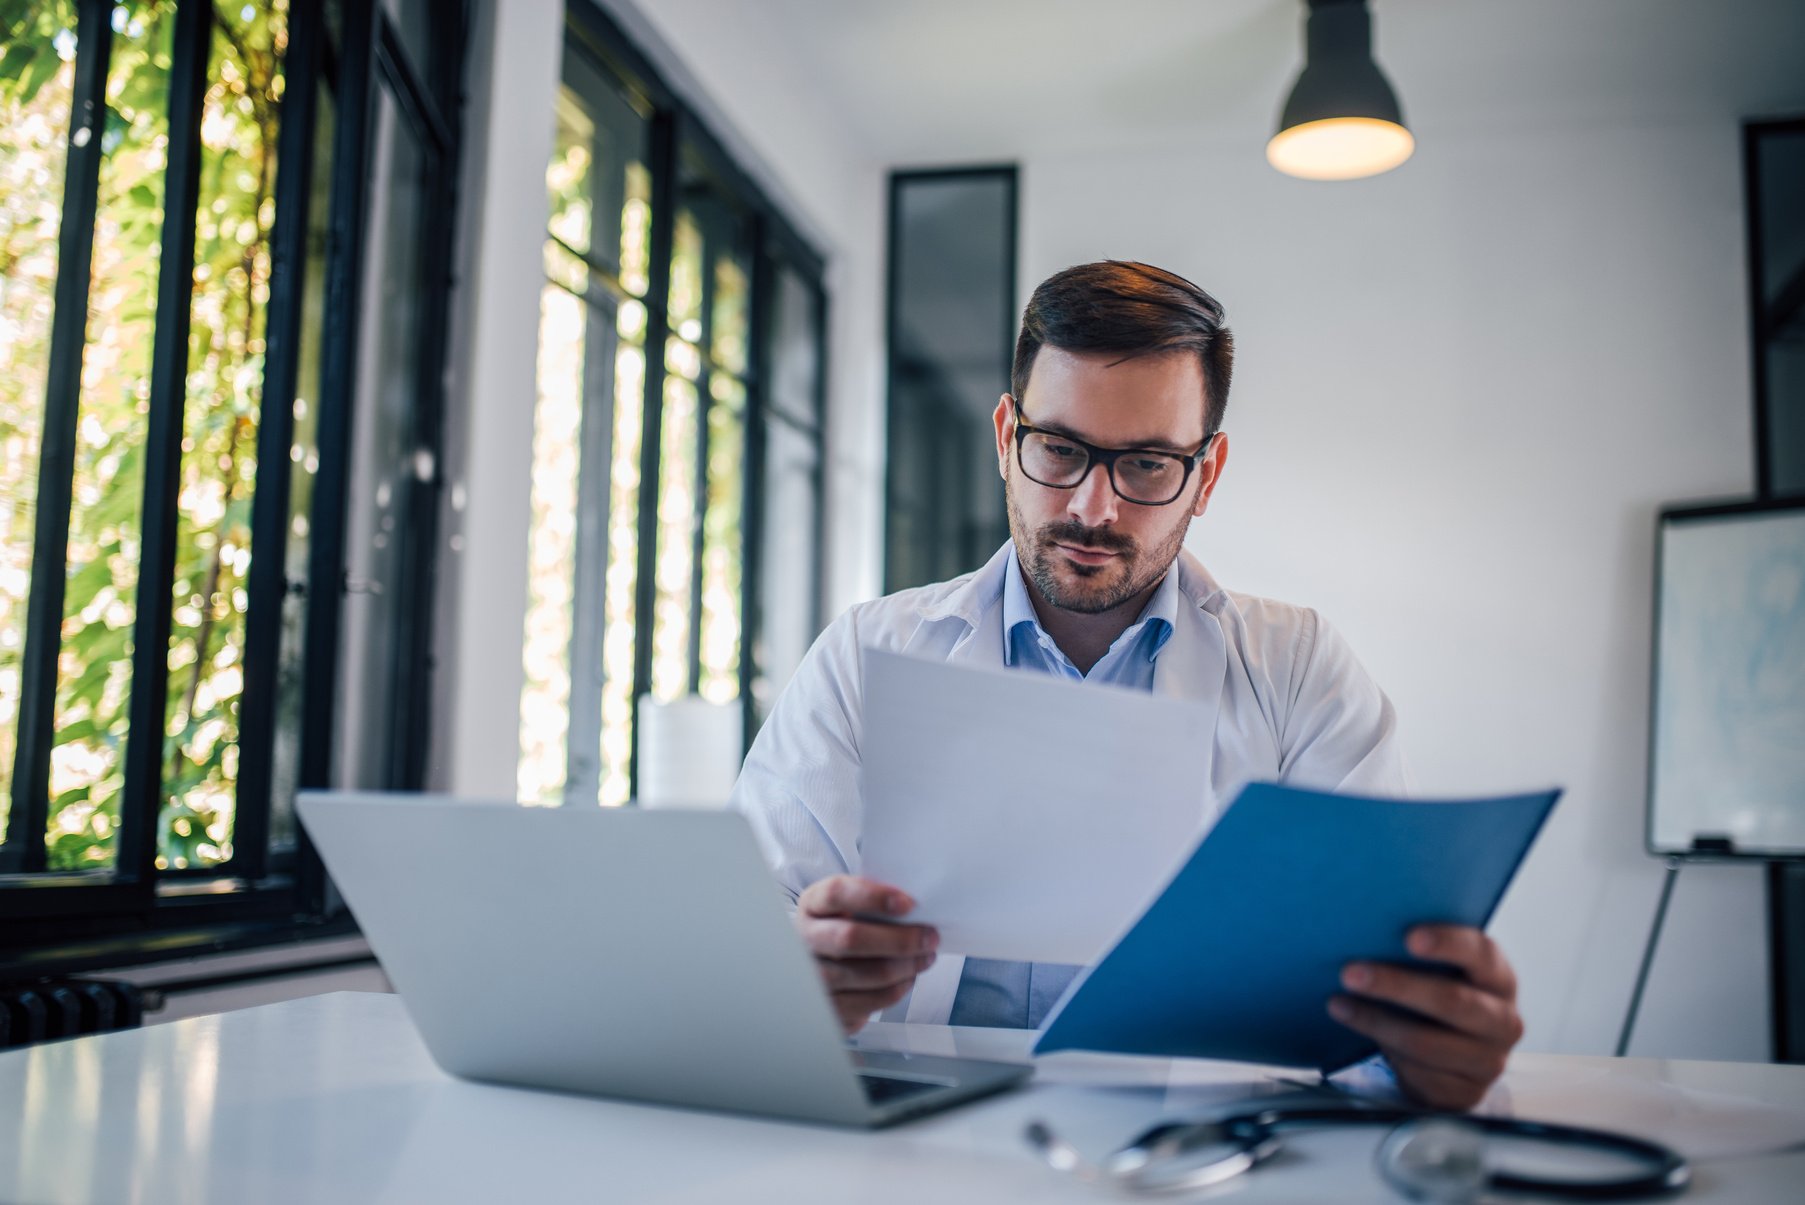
(1668, 517)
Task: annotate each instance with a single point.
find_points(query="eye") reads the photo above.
(1149, 466)
(1062, 451)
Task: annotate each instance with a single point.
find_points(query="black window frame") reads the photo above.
(1768, 320)
(73, 920)
(943, 433)
(675, 132)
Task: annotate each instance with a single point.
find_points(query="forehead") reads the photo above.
(1148, 401)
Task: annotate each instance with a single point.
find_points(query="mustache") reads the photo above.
(1100, 539)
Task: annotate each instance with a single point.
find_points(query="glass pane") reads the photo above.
(304, 454)
(388, 466)
(413, 20)
(219, 436)
(567, 176)
(794, 353)
(728, 328)
(622, 578)
(954, 318)
(788, 573)
(575, 708)
(676, 525)
(37, 82)
(721, 542)
(636, 233)
(686, 279)
(1776, 204)
(94, 667)
(552, 546)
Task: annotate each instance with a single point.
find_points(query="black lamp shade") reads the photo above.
(1342, 119)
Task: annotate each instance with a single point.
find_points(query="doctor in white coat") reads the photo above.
(1109, 445)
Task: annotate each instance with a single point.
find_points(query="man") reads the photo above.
(1108, 445)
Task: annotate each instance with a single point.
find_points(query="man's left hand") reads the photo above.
(1446, 1037)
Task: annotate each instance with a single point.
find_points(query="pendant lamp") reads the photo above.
(1342, 120)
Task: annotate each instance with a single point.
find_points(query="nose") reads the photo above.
(1093, 501)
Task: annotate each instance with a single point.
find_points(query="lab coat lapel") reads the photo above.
(1194, 664)
(965, 626)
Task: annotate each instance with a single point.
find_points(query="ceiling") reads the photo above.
(939, 81)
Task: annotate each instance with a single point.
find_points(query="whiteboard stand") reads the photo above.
(1648, 956)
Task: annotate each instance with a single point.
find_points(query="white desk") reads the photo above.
(334, 1098)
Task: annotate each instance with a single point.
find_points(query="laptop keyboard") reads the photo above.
(882, 1089)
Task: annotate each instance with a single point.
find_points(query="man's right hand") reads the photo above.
(867, 965)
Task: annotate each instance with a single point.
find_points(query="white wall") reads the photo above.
(492, 375)
(1462, 391)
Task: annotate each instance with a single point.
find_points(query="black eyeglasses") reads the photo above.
(1144, 476)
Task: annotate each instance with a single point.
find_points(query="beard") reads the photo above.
(1090, 589)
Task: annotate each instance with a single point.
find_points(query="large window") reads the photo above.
(677, 440)
(198, 438)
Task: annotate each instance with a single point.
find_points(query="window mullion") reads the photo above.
(24, 848)
(266, 582)
(583, 764)
(661, 163)
(817, 618)
(351, 153)
(762, 293)
(595, 435)
(710, 221)
(143, 790)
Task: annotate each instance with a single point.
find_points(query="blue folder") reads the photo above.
(1239, 955)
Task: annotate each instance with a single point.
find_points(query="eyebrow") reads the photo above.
(1153, 445)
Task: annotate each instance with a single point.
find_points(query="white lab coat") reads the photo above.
(1289, 700)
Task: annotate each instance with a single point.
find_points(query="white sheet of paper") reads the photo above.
(1031, 818)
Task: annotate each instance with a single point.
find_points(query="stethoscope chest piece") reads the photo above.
(1169, 1158)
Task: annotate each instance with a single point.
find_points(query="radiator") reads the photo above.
(45, 1009)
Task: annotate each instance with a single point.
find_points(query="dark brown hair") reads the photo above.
(1128, 309)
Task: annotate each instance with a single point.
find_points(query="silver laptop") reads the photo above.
(617, 952)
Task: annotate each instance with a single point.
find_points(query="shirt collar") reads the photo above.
(1161, 611)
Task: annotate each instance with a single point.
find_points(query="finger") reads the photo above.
(1434, 1087)
(1421, 1041)
(1452, 1002)
(1470, 950)
(868, 974)
(837, 937)
(855, 1008)
(850, 895)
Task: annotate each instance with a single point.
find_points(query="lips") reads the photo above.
(1085, 555)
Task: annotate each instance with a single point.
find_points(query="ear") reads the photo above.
(1004, 420)
(1210, 470)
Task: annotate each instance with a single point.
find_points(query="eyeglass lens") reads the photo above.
(1149, 477)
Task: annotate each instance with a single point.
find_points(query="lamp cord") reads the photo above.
(1648, 957)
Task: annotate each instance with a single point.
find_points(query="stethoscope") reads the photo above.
(1427, 1156)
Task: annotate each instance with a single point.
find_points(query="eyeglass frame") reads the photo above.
(1107, 457)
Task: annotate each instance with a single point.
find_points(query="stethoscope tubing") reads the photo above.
(1668, 1170)
(1255, 1138)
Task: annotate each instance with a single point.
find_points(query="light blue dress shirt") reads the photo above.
(1020, 994)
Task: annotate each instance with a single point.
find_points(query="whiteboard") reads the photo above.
(1728, 731)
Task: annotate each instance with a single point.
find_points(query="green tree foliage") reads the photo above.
(223, 397)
